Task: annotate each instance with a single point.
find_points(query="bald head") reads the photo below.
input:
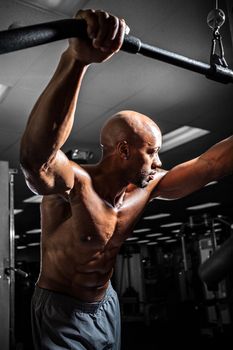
(132, 127)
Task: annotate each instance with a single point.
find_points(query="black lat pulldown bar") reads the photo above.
(34, 35)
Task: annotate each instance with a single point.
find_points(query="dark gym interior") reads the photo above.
(164, 302)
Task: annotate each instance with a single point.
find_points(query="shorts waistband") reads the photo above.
(41, 294)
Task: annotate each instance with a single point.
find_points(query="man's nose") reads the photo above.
(156, 162)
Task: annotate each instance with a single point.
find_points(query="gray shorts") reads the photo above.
(63, 322)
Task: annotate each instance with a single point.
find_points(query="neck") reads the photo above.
(112, 184)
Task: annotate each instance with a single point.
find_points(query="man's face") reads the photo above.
(145, 161)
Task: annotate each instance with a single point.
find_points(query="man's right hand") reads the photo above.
(105, 37)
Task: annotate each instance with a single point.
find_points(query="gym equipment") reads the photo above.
(38, 34)
(219, 264)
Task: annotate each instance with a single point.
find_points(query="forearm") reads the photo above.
(51, 119)
(220, 157)
(192, 175)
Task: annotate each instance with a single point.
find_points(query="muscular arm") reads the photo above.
(44, 165)
(47, 170)
(192, 175)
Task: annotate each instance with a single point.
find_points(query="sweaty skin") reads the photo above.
(82, 236)
(88, 211)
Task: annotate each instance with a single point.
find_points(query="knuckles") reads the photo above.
(105, 31)
(98, 20)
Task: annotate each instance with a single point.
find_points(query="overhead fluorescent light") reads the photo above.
(4, 91)
(175, 231)
(156, 216)
(33, 244)
(143, 241)
(47, 5)
(180, 136)
(152, 243)
(217, 230)
(141, 230)
(154, 235)
(35, 230)
(132, 239)
(17, 211)
(209, 232)
(171, 240)
(203, 206)
(21, 247)
(164, 238)
(171, 224)
(59, 7)
(34, 199)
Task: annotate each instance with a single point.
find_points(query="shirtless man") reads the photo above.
(88, 211)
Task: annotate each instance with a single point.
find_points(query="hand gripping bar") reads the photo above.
(43, 33)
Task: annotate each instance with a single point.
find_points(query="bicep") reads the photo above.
(55, 177)
(184, 179)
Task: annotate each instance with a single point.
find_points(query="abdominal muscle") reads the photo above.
(78, 269)
(80, 242)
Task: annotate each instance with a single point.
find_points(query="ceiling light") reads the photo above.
(21, 247)
(164, 238)
(202, 206)
(17, 211)
(180, 136)
(35, 230)
(59, 7)
(132, 239)
(154, 235)
(42, 4)
(171, 240)
(33, 244)
(156, 216)
(4, 91)
(152, 243)
(143, 241)
(171, 224)
(34, 199)
(141, 230)
(175, 231)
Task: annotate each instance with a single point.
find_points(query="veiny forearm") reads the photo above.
(220, 157)
(192, 175)
(51, 119)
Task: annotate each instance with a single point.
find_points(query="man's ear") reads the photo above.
(123, 149)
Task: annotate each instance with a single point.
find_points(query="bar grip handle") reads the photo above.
(44, 33)
(39, 34)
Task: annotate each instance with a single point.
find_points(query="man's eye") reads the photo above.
(151, 153)
(154, 151)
